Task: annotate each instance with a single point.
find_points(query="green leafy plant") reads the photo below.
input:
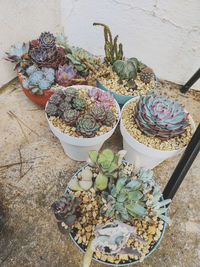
(107, 164)
(134, 198)
(112, 51)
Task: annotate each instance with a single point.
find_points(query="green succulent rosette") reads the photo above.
(160, 116)
(87, 126)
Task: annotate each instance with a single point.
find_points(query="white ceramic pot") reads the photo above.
(77, 148)
(141, 155)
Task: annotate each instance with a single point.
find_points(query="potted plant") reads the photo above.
(154, 128)
(124, 77)
(47, 62)
(112, 213)
(82, 117)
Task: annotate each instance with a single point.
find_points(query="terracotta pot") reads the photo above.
(42, 99)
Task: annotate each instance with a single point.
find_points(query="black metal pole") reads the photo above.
(183, 166)
(191, 81)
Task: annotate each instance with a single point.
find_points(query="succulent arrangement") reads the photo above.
(124, 76)
(71, 65)
(38, 80)
(160, 116)
(116, 201)
(74, 110)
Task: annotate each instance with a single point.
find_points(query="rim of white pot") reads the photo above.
(114, 264)
(148, 149)
(83, 141)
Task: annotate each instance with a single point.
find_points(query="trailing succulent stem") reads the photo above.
(112, 52)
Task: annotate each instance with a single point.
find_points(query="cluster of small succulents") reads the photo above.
(123, 197)
(66, 211)
(102, 97)
(160, 116)
(38, 79)
(49, 51)
(129, 198)
(73, 111)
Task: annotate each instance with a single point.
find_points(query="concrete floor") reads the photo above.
(28, 232)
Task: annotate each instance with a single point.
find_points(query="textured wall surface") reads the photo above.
(165, 34)
(22, 21)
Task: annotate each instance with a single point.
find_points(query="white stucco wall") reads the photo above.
(164, 34)
(24, 20)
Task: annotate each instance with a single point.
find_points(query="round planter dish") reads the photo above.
(141, 155)
(77, 148)
(122, 99)
(113, 264)
(42, 99)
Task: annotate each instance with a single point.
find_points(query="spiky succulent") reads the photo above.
(146, 75)
(65, 74)
(107, 164)
(158, 115)
(70, 116)
(66, 210)
(38, 80)
(134, 198)
(98, 112)
(79, 103)
(87, 126)
(47, 40)
(126, 69)
(112, 52)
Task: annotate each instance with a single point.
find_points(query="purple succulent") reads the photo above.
(158, 115)
(65, 73)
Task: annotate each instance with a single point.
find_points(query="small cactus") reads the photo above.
(126, 69)
(112, 52)
(146, 75)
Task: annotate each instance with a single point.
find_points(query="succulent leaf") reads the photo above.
(101, 181)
